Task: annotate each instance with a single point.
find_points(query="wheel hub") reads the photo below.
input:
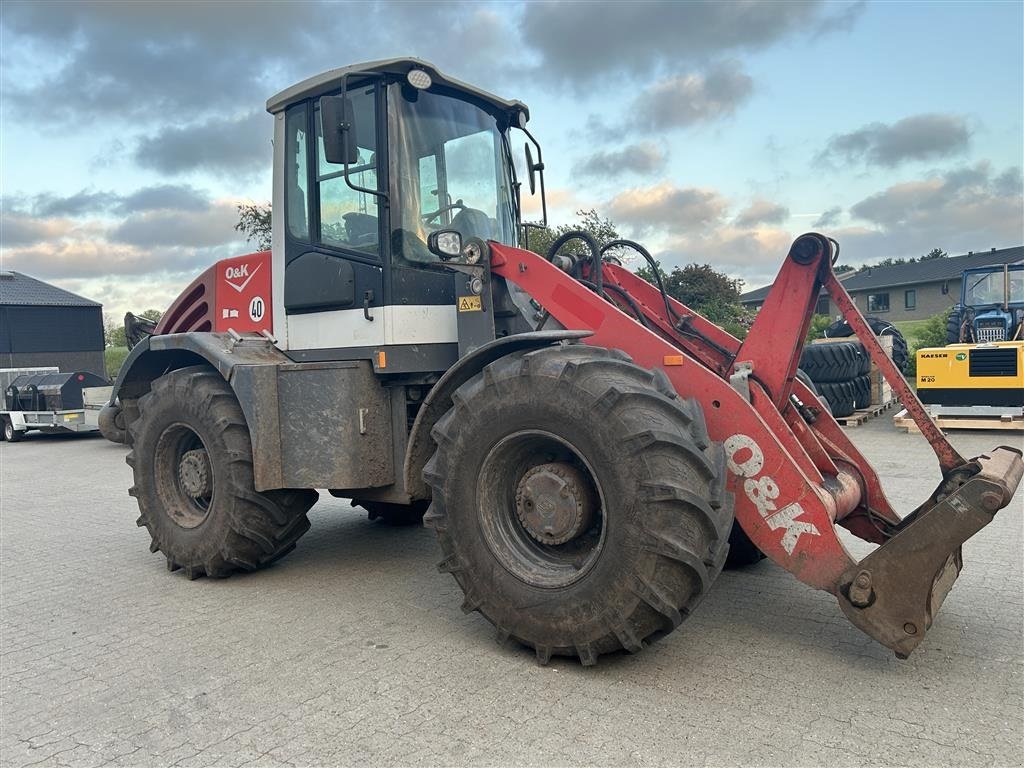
(555, 503)
(194, 473)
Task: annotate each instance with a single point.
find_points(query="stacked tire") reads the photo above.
(839, 371)
(900, 353)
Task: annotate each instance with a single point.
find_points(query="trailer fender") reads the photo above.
(439, 400)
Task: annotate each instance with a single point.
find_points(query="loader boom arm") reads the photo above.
(793, 473)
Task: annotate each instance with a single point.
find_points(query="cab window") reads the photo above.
(349, 217)
(296, 178)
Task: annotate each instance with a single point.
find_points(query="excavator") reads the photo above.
(587, 449)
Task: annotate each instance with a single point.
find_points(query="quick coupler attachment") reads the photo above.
(894, 593)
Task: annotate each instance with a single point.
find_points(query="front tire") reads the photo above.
(192, 461)
(578, 501)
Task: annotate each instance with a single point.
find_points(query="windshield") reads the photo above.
(450, 170)
(989, 288)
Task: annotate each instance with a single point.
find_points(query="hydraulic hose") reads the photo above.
(671, 315)
(595, 253)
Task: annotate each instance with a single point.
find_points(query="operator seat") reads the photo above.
(469, 222)
(360, 229)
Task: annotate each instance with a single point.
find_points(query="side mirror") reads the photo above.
(530, 169)
(445, 243)
(338, 118)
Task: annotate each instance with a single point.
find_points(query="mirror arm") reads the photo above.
(345, 123)
(539, 165)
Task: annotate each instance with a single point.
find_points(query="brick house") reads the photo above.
(905, 291)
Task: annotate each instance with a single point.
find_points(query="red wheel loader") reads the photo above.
(587, 446)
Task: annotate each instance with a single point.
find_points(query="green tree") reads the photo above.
(113, 332)
(540, 240)
(254, 221)
(152, 314)
(934, 253)
(697, 285)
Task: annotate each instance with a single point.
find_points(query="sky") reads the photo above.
(712, 132)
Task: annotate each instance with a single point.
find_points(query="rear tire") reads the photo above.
(193, 468)
(637, 467)
(953, 324)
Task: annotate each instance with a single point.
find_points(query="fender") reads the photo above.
(156, 355)
(439, 399)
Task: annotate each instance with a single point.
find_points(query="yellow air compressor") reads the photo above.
(967, 379)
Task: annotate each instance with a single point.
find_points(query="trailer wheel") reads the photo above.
(578, 501)
(192, 461)
(12, 435)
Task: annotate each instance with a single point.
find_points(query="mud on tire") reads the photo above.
(192, 461)
(659, 531)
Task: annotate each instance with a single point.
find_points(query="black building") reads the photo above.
(42, 325)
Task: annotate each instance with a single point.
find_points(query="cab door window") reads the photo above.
(349, 218)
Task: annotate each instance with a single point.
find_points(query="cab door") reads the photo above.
(333, 254)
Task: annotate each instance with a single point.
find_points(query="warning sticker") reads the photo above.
(470, 304)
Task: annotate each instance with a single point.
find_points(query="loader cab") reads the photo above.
(368, 161)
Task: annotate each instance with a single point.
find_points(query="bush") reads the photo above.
(818, 325)
(932, 333)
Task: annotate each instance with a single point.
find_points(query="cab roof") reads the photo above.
(331, 80)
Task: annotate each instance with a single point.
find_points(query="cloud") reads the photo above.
(578, 43)
(643, 159)
(181, 197)
(117, 235)
(828, 218)
(154, 62)
(78, 204)
(762, 212)
(18, 229)
(693, 98)
(213, 226)
(667, 208)
(752, 256)
(87, 202)
(216, 145)
(919, 137)
(968, 208)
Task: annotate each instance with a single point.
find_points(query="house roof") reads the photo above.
(22, 290)
(928, 271)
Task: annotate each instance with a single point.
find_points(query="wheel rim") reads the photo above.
(8, 430)
(540, 509)
(183, 467)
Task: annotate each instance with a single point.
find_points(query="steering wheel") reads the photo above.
(458, 204)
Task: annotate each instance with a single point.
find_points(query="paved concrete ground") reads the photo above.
(353, 650)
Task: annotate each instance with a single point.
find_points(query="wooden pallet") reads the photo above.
(857, 418)
(1010, 423)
